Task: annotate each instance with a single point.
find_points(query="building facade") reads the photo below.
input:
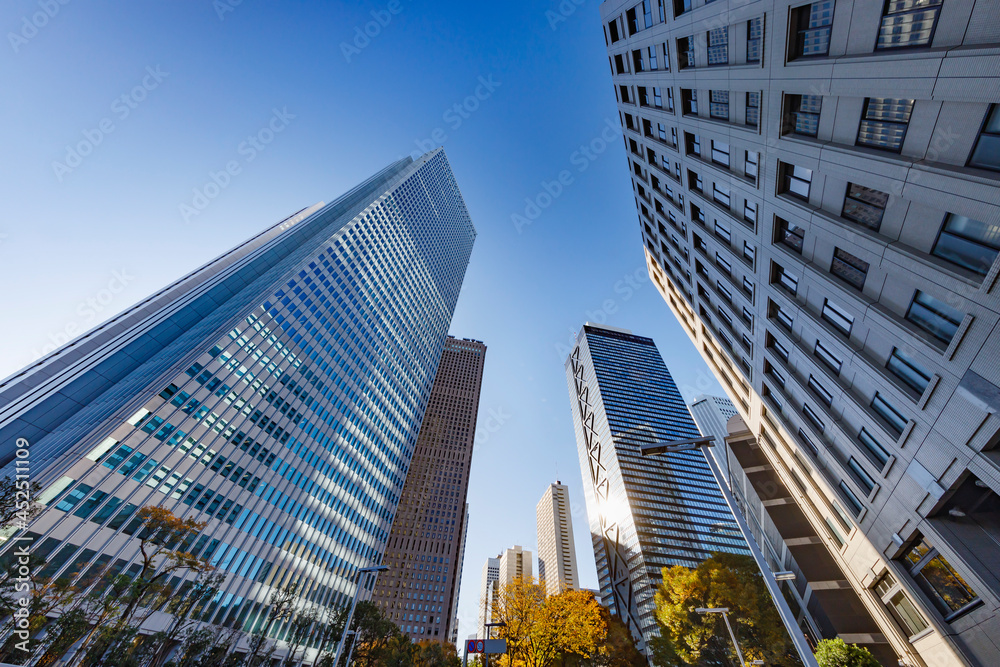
(274, 394)
(646, 513)
(557, 569)
(817, 193)
(427, 541)
(716, 416)
(515, 564)
(487, 592)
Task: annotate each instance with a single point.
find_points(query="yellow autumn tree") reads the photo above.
(517, 605)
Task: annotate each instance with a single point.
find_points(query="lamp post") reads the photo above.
(787, 617)
(354, 602)
(725, 617)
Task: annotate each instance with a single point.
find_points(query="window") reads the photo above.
(849, 268)
(689, 101)
(820, 391)
(613, 29)
(933, 316)
(694, 182)
(670, 99)
(891, 415)
(908, 23)
(666, 57)
(748, 288)
(755, 39)
(774, 344)
(852, 501)
(778, 313)
(884, 122)
(750, 214)
(837, 317)
(803, 114)
(637, 61)
(908, 370)
(692, 143)
(651, 57)
(723, 232)
(938, 579)
(789, 234)
(685, 52)
(774, 374)
(753, 109)
(971, 244)
(872, 450)
(899, 605)
(813, 418)
(986, 154)
(749, 254)
(718, 106)
(681, 6)
(794, 181)
(780, 276)
(832, 361)
(748, 317)
(865, 206)
(718, 46)
(811, 25)
(661, 131)
(721, 195)
(808, 443)
(647, 14)
(751, 164)
(724, 265)
(861, 475)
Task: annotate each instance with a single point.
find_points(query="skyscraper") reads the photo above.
(487, 592)
(556, 549)
(646, 513)
(426, 544)
(515, 564)
(274, 393)
(817, 191)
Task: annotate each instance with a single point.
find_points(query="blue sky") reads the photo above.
(162, 96)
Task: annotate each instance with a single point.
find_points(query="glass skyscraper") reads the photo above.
(275, 393)
(646, 513)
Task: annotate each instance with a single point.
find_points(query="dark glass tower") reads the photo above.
(646, 513)
(275, 393)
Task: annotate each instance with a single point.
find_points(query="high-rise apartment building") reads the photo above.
(274, 394)
(646, 513)
(556, 550)
(426, 544)
(817, 189)
(487, 592)
(711, 414)
(515, 564)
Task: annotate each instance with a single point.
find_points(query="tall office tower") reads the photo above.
(716, 417)
(646, 513)
(817, 192)
(515, 564)
(460, 568)
(274, 394)
(556, 549)
(426, 544)
(487, 592)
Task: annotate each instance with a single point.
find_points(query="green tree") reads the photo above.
(429, 653)
(724, 580)
(838, 653)
(618, 648)
(373, 635)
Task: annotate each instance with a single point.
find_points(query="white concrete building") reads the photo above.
(557, 569)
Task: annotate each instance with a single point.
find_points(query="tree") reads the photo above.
(517, 604)
(429, 653)
(618, 648)
(17, 507)
(838, 653)
(373, 635)
(279, 608)
(568, 625)
(724, 580)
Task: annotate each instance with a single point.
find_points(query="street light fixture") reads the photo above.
(354, 602)
(785, 576)
(501, 624)
(787, 617)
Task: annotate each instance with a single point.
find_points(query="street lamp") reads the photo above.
(350, 615)
(725, 617)
(787, 617)
(501, 624)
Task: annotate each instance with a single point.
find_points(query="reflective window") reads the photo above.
(811, 25)
(908, 370)
(938, 579)
(865, 206)
(908, 23)
(884, 122)
(934, 316)
(969, 243)
(986, 154)
(755, 39)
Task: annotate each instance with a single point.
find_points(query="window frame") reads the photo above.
(850, 196)
(909, 11)
(885, 123)
(992, 118)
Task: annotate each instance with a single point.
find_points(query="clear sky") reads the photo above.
(115, 117)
